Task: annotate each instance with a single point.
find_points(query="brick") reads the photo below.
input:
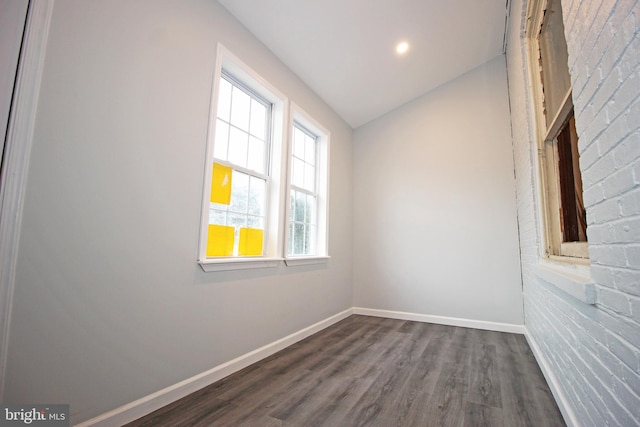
(634, 303)
(602, 168)
(589, 132)
(629, 63)
(619, 182)
(627, 230)
(627, 398)
(603, 96)
(601, 234)
(623, 351)
(603, 275)
(630, 203)
(609, 255)
(627, 151)
(628, 377)
(608, 210)
(625, 93)
(588, 154)
(628, 281)
(614, 300)
(632, 116)
(633, 256)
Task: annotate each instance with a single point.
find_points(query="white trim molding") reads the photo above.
(441, 320)
(155, 401)
(565, 409)
(16, 162)
(144, 406)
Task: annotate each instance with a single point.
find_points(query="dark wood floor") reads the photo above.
(368, 371)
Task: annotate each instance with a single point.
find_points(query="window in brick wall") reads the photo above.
(561, 181)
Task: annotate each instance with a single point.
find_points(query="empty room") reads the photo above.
(320, 212)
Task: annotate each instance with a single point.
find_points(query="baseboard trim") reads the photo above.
(144, 406)
(441, 320)
(561, 400)
(155, 401)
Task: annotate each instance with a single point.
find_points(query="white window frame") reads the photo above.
(323, 137)
(273, 241)
(548, 176)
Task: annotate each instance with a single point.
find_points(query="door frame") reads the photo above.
(15, 165)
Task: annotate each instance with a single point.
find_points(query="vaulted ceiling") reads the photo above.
(345, 49)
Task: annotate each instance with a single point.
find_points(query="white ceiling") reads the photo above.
(345, 49)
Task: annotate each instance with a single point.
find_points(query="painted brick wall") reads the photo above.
(591, 353)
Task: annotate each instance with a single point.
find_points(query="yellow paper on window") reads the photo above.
(221, 184)
(250, 241)
(220, 240)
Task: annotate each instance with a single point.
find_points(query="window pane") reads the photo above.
(257, 191)
(300, 207)
(310, 212)
(258, 119)
(238, 145)
(298, 241)
(217, 216)
(310, 149)
(240, 107)
(297, 174)
(291, 238)
(298, 143)
(572, 211)
(224, 100)
(256, 155)
(556, 80)
(309, 177)
(255, 222)
(311, 240)
(222, 140)
(237, 220)
(239, 192)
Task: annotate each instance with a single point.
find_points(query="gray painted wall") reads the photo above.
(434, 198)
(110, 304)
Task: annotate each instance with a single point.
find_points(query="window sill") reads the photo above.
(573, 280)
(226, 264)
(291, 262)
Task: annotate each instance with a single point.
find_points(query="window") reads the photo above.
(241, 207)
(307, 210)
(265, 193)
(564, 213)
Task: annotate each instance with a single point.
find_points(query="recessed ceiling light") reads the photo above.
(402, 48)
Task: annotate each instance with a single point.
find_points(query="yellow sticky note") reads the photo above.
(250, 241)
(220, 240)
(221, 184)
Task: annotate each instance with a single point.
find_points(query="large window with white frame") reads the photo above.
(243, 185)
(564, 216)
(308, 189)
(265, 196)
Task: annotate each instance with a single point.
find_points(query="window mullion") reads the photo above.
(560, 118)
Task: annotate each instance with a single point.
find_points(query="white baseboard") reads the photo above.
(561, 400)
(441, 320)
(141, 407)
(155, 401)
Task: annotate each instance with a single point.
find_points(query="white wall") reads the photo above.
(110, 304)
(590, 353)
(435, 228)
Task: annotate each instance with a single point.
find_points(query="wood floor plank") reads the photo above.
(476, 415)
(367, 371)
